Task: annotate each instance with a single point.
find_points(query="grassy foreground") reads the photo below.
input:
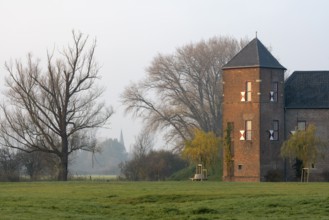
(163, 200)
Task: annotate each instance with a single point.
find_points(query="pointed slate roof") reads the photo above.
(307, 89)
(254, 54)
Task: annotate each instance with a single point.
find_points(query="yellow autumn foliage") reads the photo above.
(303, 145)
(203, 148)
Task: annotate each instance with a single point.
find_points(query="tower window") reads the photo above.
(274, 92)
(248, 91)
(274, 133)
(248, 132)
(246, 94)
(301, 125)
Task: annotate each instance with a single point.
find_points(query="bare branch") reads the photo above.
(54, 111)
(183, 90)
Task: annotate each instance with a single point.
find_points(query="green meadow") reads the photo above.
(163, 200)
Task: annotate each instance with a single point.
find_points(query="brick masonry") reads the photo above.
(253, 159)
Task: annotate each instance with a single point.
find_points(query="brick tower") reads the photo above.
(253, 108)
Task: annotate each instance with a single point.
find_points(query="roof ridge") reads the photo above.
(257, 49)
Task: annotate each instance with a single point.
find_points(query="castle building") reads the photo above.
(261, 109)
(307, 102)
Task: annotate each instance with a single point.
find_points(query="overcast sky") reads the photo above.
(131, 32)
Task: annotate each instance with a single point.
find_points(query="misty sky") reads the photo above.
(131, 32)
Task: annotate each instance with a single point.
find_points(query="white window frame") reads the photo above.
(248, 129)
(248, 91)
(274, 92)
(301, 125)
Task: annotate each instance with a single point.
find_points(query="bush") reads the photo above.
(274, 176)
(155, 165)
(9, 165)
(325, 175)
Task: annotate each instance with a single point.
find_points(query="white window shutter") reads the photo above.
(242, 135)
(272, 96)
(271, 135)
(243, 96)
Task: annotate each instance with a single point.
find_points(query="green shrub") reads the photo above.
(183, 174)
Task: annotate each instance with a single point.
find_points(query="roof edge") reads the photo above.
(306, 107)
(244, 67)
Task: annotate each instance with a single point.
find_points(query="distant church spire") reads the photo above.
(121, 139)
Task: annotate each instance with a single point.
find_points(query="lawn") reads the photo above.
(163, 200)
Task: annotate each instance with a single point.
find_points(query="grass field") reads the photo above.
(163, 200)
(94, 177)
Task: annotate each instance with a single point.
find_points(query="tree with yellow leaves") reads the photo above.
(203, 148)
(304, 146)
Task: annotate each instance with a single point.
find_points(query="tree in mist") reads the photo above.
(149, 164)
(9, 165)
(135, 169)
(38, 164)
(183, 90)
(144, 143)
(55, 110)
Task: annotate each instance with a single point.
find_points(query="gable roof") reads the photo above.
(307, 89)
(254, 54)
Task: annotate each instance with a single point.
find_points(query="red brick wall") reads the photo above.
(260, 155)
(246, 153)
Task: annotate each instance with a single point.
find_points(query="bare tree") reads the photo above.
(9, 165)
(183, 91)
(136, 168)
(54, 111)
(148, 164)
(38, 164)
(143, 145)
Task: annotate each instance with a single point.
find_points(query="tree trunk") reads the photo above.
(63, 169)
(63, 172)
